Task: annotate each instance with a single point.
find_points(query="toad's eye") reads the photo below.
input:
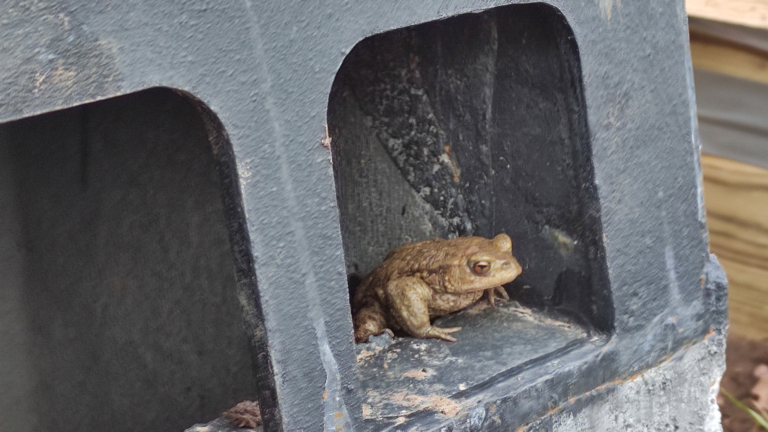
(481, 267)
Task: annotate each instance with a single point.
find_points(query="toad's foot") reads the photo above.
(441, 333)
(492, 294)
(370, 321)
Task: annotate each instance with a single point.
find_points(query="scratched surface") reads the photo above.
(412, 375)
(265, 70)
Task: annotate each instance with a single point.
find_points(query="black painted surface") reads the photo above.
(406, 375)
(265, 69)
(482, 116)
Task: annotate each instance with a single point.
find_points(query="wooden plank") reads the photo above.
(750, 13)
(729, 59)
(748, 305)
(736, 199)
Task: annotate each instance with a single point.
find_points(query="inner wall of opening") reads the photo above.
(474, 125)
(117, 288)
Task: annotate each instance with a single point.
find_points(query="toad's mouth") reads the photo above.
(487, 287)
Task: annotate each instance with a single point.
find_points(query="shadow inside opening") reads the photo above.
(473, 125)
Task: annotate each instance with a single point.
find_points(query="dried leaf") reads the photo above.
(246, 414)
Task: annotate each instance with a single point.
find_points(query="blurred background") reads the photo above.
(729, 50)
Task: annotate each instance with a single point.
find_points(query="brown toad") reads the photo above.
(420, 281)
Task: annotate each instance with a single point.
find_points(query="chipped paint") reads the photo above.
(333, 402)
(606, 7)
(562, 241)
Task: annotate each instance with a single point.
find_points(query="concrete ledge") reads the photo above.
(668, 397)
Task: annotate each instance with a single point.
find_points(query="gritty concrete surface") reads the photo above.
(677, 395)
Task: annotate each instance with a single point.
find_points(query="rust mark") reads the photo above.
(451, 159)
(419, 374)
(327, 140)
(338, 415)
(367, 411)
(433, 402)
(325, 394)
(364, 354)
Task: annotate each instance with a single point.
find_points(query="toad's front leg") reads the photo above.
(408, 300)
(491, 293)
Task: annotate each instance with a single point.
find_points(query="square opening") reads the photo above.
(473, 125)
(117, 282)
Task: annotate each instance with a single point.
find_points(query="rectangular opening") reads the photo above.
(117, 285)
(474, 125)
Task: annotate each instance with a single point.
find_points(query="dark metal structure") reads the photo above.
(569, 125)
